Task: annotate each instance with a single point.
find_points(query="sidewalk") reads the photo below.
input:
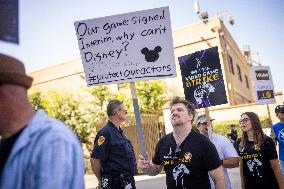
(157, 182)
(91, 180)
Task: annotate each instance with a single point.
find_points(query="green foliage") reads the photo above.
(151, 95)
(101, 95)
(127, 102)
(36, 100)
(223, 128)
(78, 114)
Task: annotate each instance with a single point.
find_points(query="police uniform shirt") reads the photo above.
(115, 151)
(188, 165)
(256, 165)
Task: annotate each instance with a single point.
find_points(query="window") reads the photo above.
(239, 73)
(247, 82)
(231, 65)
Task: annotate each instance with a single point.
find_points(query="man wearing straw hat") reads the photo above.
(226, 151)
(35, 150)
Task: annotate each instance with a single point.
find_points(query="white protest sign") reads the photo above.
(263, 85)
(127, 47)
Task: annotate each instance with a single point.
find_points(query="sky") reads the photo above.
(48, 37)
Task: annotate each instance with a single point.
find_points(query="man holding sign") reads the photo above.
(186, 155)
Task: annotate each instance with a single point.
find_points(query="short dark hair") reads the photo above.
(112, 106)
(189, 106)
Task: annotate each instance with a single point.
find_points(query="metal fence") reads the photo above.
(153, 127)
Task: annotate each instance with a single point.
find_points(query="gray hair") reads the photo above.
(112, 106)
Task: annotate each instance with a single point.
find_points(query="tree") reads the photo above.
(152, 96)
(101, 94)
(81, 116)
(35, 99)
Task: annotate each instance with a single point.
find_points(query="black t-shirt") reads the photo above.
(258, 173)
(6, 147)
(115, 150)
(187, 167)
(234, 135)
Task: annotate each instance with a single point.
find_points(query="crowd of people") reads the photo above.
(38, 152)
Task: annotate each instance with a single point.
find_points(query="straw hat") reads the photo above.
(13, 71)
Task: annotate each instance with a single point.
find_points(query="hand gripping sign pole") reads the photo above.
(138, 120)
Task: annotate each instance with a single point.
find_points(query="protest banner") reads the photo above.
(263, 85)
(202, 78)
(9, 21)
(127, 47)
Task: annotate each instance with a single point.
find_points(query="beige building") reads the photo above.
(69, 76)
(236, 70)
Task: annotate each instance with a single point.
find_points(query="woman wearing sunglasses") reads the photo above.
(259, 166)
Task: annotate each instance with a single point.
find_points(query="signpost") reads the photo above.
(128, 47)
(263, 85)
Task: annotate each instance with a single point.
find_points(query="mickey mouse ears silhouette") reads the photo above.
(151, 55)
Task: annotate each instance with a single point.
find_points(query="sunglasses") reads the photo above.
(245, 120)
(205, 123)
(121, 109)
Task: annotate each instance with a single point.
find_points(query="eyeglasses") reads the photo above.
(204, 123)
(245, 120)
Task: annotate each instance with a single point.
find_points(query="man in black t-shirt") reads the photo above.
(185, 155)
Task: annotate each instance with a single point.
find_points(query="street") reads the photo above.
(159, 181)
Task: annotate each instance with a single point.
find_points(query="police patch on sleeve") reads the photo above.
(101, 140)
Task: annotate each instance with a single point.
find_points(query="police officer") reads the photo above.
(112, 159)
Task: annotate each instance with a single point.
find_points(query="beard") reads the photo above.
(176, 122)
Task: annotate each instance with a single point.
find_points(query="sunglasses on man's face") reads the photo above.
(122, 109)
(245, 120)
(205, 123)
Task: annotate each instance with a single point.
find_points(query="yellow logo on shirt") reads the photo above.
(101, 140)
(187, 156)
